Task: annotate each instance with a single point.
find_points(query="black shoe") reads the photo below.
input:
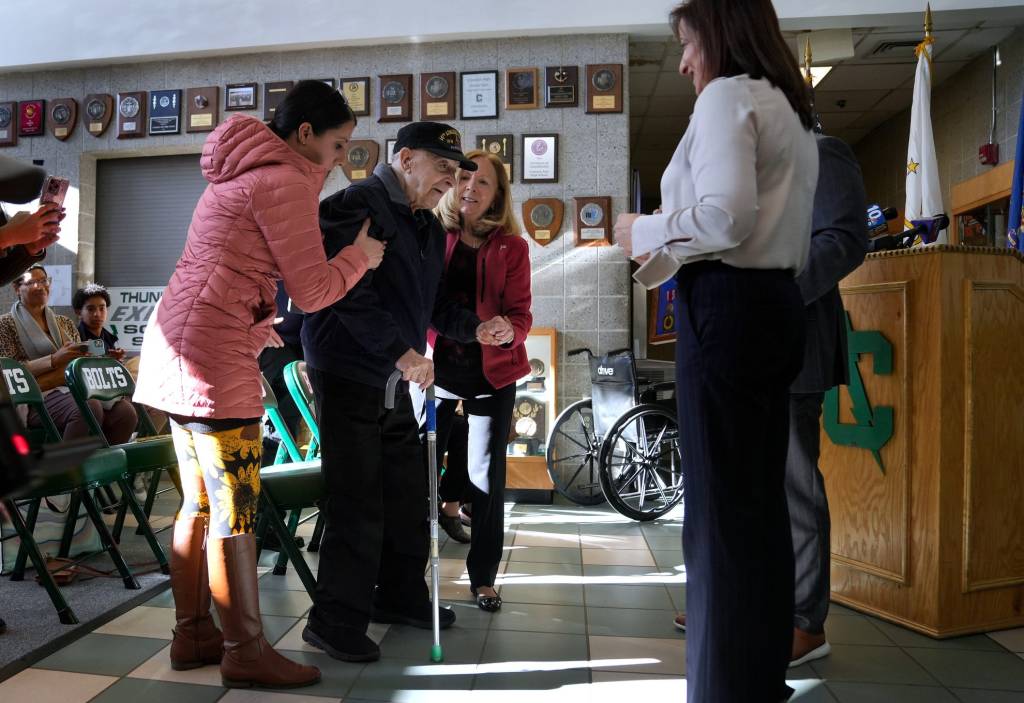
(273, 544)
(422, 617)
(490, 604)
(466, 514)
(346, 644)
(453, 526)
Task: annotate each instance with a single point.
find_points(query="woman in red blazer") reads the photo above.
(487, 269)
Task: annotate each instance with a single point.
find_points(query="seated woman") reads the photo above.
(46, 343)
(91, 304)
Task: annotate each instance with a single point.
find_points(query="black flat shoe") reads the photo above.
(490, 604)
(453, 526)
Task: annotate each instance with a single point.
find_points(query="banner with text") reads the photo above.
(129, 312)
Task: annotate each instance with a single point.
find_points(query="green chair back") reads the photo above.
(297, 380)
(103, 378)
(24, 390)
(290, 451)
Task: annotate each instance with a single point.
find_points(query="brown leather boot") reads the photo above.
(249, 660)
(197, 641)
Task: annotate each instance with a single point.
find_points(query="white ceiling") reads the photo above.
(858, 95)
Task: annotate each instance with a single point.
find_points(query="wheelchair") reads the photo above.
(621, 445)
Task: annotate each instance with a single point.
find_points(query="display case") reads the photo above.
(533, 415)
(980, 208)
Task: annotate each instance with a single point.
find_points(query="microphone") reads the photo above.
(878, 228)
(928, 228)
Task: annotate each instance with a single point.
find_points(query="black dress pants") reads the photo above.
(375, 533)
(489, 420)
(740, 345)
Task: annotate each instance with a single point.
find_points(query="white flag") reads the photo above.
(924, 196)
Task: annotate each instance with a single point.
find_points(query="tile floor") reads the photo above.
(589, 601)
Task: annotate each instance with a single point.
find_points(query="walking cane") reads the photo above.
(436, 655)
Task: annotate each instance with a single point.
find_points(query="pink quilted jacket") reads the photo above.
(256, 223)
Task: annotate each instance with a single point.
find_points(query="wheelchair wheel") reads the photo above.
(572, 455)
(641, 463)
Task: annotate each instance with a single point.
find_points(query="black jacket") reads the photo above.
(388, 312)
(839, 242)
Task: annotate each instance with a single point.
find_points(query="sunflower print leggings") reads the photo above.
(220, 477)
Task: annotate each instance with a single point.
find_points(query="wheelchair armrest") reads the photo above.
(662, 387)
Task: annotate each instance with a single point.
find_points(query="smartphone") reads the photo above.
(96, 347)
(54, 190)
(83, 347)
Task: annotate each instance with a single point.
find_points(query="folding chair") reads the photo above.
(103, 378)
(301, 390)
(287, 486)
(102, 468)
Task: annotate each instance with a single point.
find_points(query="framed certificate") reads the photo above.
(356, 92)
(540, 158)
(240, 96)
(479, 95)
(522, 87)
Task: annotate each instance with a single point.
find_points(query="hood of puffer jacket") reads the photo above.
(242, 144)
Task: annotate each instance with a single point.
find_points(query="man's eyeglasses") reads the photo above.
(43, 282)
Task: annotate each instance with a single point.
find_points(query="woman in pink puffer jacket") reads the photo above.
(255, 224)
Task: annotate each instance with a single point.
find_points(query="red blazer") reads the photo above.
(503, 288)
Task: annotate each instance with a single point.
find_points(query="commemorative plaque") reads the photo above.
(357, 94)
(522, 88)
(540, 158)
(543, 219)
(97, 113)
(437, 96)
(201, 107)
(31, 117)
(389, 149)
(479, 95)
(165, 112)
(131, 115)
(501, 145)
(240, 96)
(604, 87)
(561, 87)
(8, 128)
(395, 98)
(593, 220)
(273, 94)
(63, 116)
(361, 159)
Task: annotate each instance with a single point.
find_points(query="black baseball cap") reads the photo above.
(435, 137)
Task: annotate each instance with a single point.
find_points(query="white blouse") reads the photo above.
(739, 188)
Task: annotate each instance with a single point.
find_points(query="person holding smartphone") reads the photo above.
(46, 343)
(91, 305)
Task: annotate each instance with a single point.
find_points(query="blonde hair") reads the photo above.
(498, 215)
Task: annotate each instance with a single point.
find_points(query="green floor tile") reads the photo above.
(531, 680)
(541, 568)
(868, 664)
(665, 542)
(668, 557)
(162, 600)
(848, 629)
(616, 596)
(392, 680)
(519, 648)
(109, 655)
(336, 677)
(469, 616)
(534, 617)
(276, 626)
(557, 555)
(889, 693)
(460, 645)
(972, 669)
(288, 603)
(908, 638)
(135, 690)
(974, 695)
(809, 691)
(627, 622)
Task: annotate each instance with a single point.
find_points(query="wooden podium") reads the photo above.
(928, 528)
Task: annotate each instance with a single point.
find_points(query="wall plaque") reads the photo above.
(396, 98)
(165, 112)
(522, 88)
(540, 158)
(63, 117)
(241, 96)
(202, 107)
(31, 118)
(361, 159)
(604, 87)
(273, 94)
(502, 146)
(97, 112)
(479, 95)
(543, 219)
(437, 96)
(593, 220)
(357, 94)
(562, 86)
(8, 124)
(131, 115)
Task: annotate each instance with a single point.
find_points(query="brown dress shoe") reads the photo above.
(197, 641)
(807, 647)
(249, 660)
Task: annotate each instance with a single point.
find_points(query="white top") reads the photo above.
(739, 188)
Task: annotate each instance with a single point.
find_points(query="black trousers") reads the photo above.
(375, 532)
(808, 513)
(740, 345)
(489, 420)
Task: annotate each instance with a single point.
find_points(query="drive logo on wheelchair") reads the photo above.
(605, 371)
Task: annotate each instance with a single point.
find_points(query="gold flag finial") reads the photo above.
(807, 61)
(928, 20)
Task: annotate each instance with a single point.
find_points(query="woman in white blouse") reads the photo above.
(734, 229)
